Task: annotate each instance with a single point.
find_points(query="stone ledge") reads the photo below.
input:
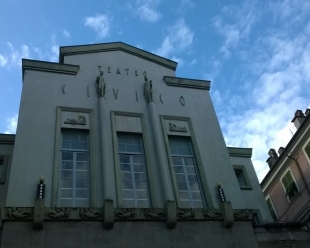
(187, 83)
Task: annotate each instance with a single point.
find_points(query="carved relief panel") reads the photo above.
(177, 127)
(74, 120)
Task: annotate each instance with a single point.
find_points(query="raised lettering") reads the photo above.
(127, 71)
(109, 69)
(118, 72)
(182, 100)
(136, 72)
(115, 93)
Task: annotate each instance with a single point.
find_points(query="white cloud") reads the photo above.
(148, 13)
(179, 60)
(11, 125)
(193, 62)
(54, 53)
(179, 37)
(66, 34)
(3, 61)
(100, 24)
(235, 24)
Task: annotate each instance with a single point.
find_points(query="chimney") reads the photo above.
(298, 118)
(307, 112)
(281, 150)
(273, 157)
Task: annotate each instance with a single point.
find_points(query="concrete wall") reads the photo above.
(129, 234)
(253, 197)
(43, 92)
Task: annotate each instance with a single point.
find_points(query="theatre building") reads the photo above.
(113, 150)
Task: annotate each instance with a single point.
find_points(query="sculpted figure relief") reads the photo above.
(148, 91)
(100, 85)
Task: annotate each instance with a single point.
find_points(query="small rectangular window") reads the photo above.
(186, 173)
(271, 209)
(1, 167)
(134, 179)
(289, 185)
(74, 171)
(240, 177)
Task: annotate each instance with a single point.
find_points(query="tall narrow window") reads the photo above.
(186, 173)
(240, 177)
(134, 180)
(74, 171)
(1, 167)
(271, 209)
(290, 186)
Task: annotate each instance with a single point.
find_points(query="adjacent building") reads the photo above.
(286, 186)
(112, 149)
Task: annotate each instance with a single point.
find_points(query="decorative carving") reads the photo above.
(161, 99)
(63, 89)
(126, 213)
(81, 120)
(58, 213)
(211, 213)
(19, 213)
(153, 213)
(148, 91)
(175, 128)
(100, 85)
(87, 213)
(186, 213)
(241, 213)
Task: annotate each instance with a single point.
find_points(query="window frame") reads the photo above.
(132, 172)
(305, 150)
(57, 152)
(273, 208)
(5, 159)
(285, 189)
(205, 188)
(75, 152)
(183, 157)
(242, 169)
(150, 164)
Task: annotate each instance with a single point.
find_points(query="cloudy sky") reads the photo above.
(256, 53)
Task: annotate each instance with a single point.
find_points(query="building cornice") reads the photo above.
(240, 152)
(36, 65)
(188, 83)
(115, 46)
(7, 139)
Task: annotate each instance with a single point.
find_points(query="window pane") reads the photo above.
(141, 185)
(194, 186)
(82, 165)
(125, 167)
(196, 195)
(140, 177)
(180, 177)
(83, 137)
(124, 159)
(184, 151)
(82, 203)
(82, 157)
(66, 184)
(178, 169)
(189, 161)
(190, 170)
(192, 178)
(67, 156)
(66, 193)
(173, 150)
(67, 165)
(137, 160)
(177, 161)
(66, 174)
(126, 176)
(82, 193)
(142, 194)
(198, 204)
(70, 136)
(127, 185)
(125, 139)
(122, 147)
(66, 145)
(81, 183)
(134, 148)
(139, 168)
(128, 194)
(65, 203)
(129, 203)
(182, 186)
(82, 175)
(184, 195)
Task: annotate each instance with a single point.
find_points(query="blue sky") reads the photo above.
(256, 54)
